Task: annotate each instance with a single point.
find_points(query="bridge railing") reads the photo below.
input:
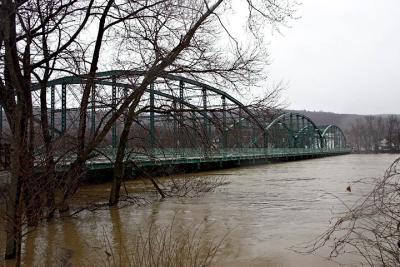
(171, 153)
(190, 155)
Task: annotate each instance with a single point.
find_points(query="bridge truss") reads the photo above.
(181, 120)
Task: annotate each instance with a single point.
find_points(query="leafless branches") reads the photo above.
(369, 230)
(44, 40)
(191, 186)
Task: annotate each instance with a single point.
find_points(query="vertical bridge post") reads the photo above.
(175, 127)
(63, 108)
(304, 134)
(180, 128)
(298, 130)
(224, 130)
(291, 133)
(205, 123)
(93, 110)
(126, 93)
(239, 135)
(152, 126)
(114, 106)
(265, 137)
(194, 133)
(52, 110)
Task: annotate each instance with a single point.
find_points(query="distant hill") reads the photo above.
(344, 121)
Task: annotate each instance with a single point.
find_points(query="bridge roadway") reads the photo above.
(174, 157)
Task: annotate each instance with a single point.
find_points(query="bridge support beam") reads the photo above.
(224, 129)
(114, 106)
(265, 137)
(205, 123)
(291, 137)
(63, 108)
(253, 136)
(52, 110)
(194, 130)
(180, 122)
(152, 122)
(298, 129)
(126, 93)
(93, 110)
(304, 134)
(239, 128)
(175, 127)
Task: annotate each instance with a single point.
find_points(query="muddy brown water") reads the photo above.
(261, 214)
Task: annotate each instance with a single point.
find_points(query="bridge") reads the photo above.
(181, 121)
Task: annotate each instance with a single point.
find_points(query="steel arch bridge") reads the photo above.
(181, 121)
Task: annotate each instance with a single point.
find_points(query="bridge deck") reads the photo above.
(166, 157)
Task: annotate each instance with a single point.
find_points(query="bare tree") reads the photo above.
(392, 128)
(367, 134)
(43, 40)
(195, 53)
(24, 51)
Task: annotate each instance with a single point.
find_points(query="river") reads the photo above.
(261, 213)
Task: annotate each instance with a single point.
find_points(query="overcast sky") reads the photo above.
(341, 56)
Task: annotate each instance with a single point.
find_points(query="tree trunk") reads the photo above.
(72, 178)
(13, 237)
(49, 182)
(119, 165)
(20, 173)
(22, 179)
(77, 167)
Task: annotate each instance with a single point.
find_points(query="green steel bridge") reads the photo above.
(181, 121)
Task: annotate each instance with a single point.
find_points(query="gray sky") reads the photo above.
(341, 56)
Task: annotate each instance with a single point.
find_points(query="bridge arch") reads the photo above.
(293, 130)
(102, 77)
(334, 137)
(179, 91)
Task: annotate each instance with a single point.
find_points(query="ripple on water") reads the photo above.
(265, 209)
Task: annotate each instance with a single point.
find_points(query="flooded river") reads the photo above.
(261, 213)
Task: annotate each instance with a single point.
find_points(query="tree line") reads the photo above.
(375, 133)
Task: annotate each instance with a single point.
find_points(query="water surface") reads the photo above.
(262, 212)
